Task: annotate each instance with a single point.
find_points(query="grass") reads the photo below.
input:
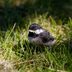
(18, 52)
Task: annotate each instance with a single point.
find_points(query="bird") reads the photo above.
(40, 36)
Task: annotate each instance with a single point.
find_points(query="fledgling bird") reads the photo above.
(40, 36)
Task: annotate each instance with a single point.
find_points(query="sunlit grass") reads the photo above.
(15, 47)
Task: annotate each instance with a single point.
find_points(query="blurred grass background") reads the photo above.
(17, 54)
(12, 11)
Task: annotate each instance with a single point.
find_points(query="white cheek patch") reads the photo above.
(32, 31)
(38, 31)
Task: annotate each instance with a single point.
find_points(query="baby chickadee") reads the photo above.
(40, 36)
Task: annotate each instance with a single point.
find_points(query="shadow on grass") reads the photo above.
(15, 14)
(64, 47)
(61, 53)
(29, 48)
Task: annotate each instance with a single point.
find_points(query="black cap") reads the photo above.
(34, 26)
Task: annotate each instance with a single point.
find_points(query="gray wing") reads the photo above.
(46, 37)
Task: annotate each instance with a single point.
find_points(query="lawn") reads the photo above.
(17, 54)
